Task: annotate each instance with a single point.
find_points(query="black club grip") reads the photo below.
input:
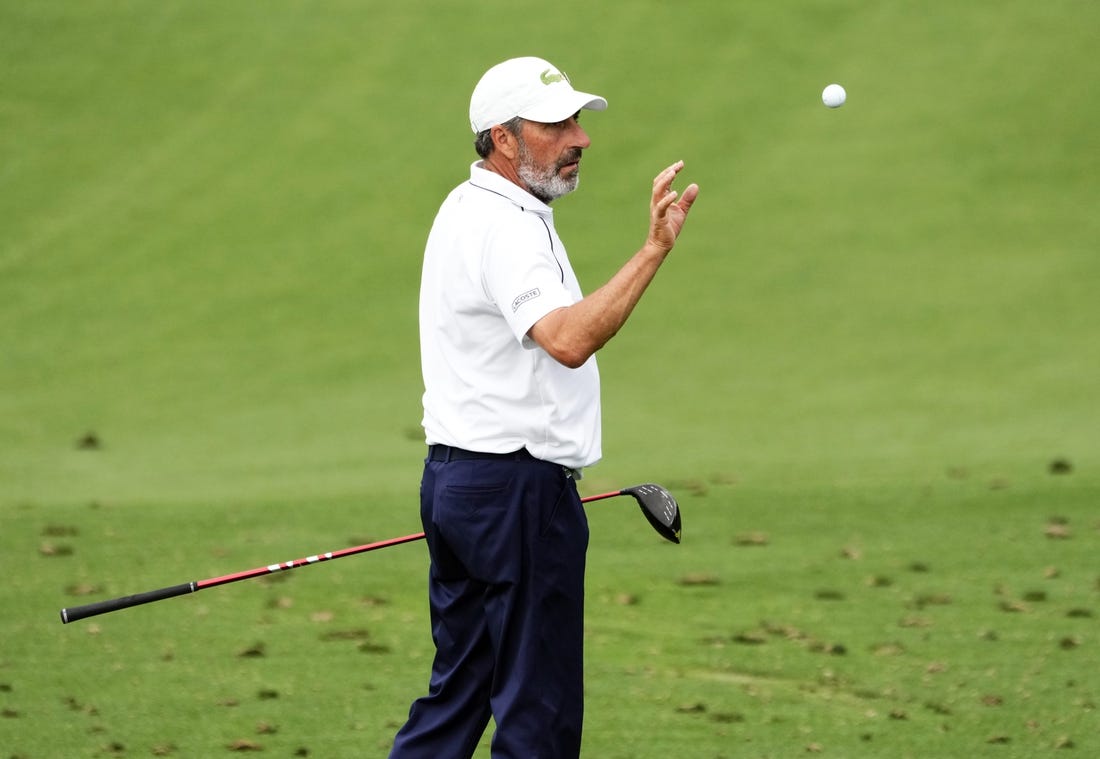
(125, 602)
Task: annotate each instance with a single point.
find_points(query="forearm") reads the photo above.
(571, 335)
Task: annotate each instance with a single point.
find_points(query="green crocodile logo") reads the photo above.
(548, 77)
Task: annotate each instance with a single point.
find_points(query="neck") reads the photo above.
(502, 166)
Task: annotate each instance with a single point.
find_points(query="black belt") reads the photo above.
(450, 453)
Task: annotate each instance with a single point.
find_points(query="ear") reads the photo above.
(504, 142)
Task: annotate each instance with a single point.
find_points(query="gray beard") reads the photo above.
(544, 182)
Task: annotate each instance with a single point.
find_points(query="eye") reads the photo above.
(564, 123)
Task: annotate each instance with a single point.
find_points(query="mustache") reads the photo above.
(571, 156)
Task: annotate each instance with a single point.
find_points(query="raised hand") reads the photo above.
(668, 209)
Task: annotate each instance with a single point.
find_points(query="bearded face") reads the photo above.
(549, 181)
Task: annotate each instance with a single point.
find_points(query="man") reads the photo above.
(512, 416)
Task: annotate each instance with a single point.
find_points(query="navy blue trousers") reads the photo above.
(507, 541)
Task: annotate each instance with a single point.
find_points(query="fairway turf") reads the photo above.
(868, 373)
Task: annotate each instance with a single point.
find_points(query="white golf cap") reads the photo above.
(530, 88)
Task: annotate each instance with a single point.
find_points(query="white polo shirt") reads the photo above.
(493, 266)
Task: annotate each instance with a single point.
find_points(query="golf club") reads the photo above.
(657, 504)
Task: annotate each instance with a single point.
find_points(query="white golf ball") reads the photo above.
(834, 96)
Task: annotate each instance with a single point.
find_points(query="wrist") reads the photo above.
(653, 249)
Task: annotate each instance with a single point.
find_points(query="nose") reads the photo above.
(578, 136)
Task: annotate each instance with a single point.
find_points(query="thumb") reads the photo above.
(688, 198)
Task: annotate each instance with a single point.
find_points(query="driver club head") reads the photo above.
(659, 507)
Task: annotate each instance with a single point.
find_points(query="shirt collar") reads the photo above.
(493, 182)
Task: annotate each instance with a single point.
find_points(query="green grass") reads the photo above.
(855, 372)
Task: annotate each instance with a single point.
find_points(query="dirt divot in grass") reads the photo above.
(89, 441)
(254, 651)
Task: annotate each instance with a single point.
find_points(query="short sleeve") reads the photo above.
(522, 275)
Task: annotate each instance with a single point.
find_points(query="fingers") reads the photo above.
(668, 208)
(663, 201)
(662, 183)
(663, 194)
